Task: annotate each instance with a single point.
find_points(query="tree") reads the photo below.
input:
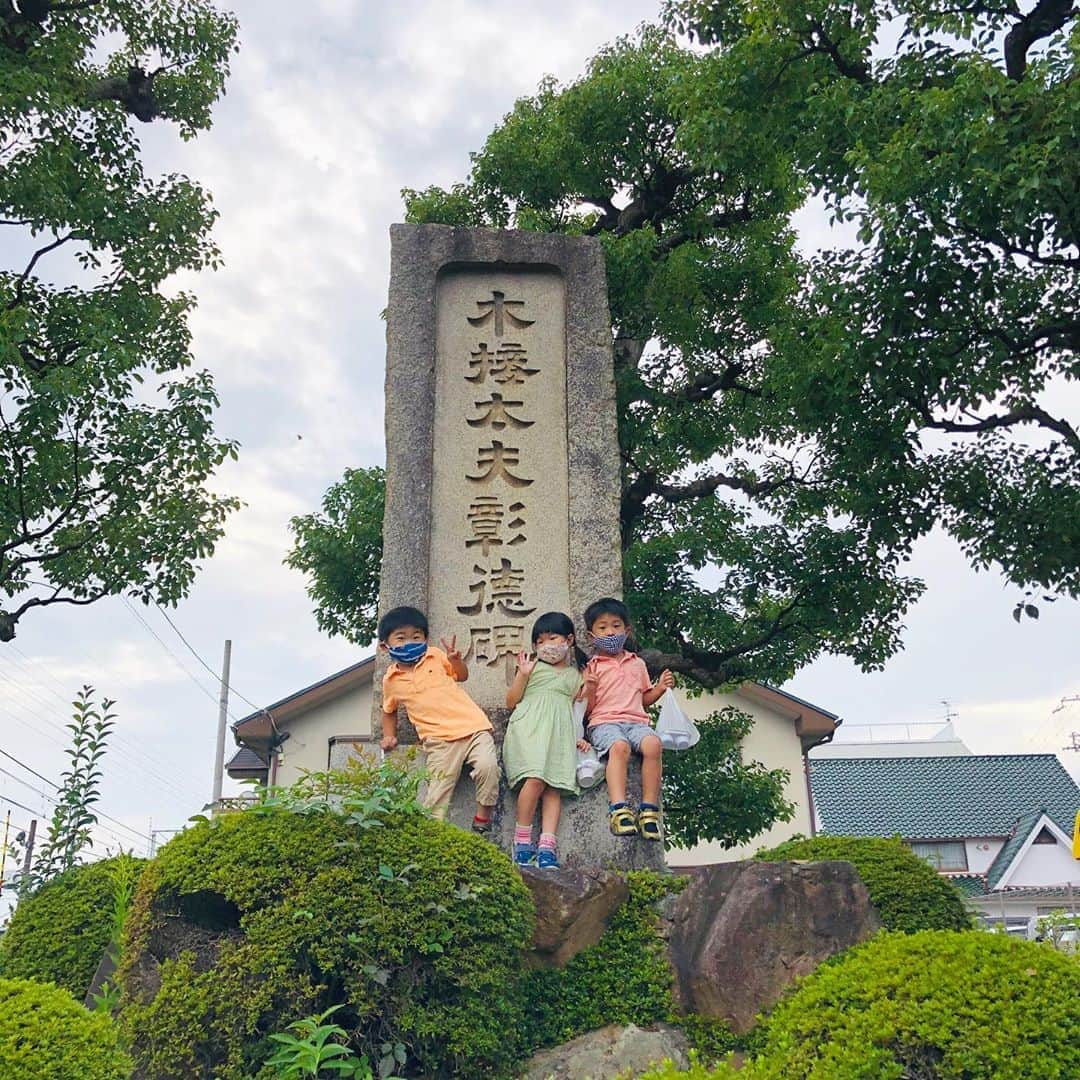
(102, 478)
(789, 428)
(341, 551)
(712, 794)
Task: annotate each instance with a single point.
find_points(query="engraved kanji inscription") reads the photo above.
(495, 413)
(485, 518)
(497, 311)
(492, 643)
(507, 365)
(498, 587)
(496, 460)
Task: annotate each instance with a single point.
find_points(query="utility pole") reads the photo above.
(1074, 742)
(28, 858)
(223, 715)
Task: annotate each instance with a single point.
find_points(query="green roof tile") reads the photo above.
(937, 798)
(969, 884)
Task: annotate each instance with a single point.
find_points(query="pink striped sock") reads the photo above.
(547, 841)
(522, 834)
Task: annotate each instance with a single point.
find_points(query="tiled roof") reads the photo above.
(969, 884)
(935, 798)
(1021, 831)
(245, 759)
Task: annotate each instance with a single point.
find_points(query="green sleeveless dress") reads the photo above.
(540, 738)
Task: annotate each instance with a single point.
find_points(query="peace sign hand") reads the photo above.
(450, 648)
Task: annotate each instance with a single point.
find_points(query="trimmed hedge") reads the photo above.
(415, 927)
(45, 1034)
(907, 892)
(937, 1004)
(624, 978)
(59, 933)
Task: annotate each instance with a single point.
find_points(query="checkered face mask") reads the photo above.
(610, 644)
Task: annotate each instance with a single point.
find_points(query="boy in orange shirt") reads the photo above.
(617, 691)
(453, 729)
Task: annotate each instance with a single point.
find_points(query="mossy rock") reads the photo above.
(59, 933)
(45, 1034)
(908, 894)
(936, 1004)
(246, 924)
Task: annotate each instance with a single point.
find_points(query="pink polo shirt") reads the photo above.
(620, 682)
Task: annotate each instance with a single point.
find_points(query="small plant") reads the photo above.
(69, 830)
(318, 1049)
(1059, 930)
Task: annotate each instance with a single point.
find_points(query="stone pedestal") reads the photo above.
(502, 477)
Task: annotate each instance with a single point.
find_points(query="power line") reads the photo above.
(191, 649)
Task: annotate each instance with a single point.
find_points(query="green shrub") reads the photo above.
(45, 1034)
(414, 927)
(908, 894)
(623, 979)
(59, 933)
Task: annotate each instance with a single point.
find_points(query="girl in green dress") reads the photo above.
(540, 748)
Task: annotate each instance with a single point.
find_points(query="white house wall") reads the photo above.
(1046, 864)
(308, 745)
(772, 741)
(981, 852)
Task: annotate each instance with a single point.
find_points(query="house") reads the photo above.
(319, 726)
(998, 825)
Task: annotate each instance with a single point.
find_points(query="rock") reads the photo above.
(742, 932)
(573, 908)
(609, 1052)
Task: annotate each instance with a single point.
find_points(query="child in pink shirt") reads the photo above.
(617, 691)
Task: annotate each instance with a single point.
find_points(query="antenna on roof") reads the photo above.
(950, 713)
(1064, 702)
(1074, 742)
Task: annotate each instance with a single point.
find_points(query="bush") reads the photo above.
(949, 1006)
(414, 927)
(59, 933)
(908, 894)
(623, 979)
(45, 1034)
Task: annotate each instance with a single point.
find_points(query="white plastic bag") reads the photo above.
(590, 769)
(676, 730)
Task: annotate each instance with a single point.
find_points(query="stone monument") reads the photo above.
(502, 476)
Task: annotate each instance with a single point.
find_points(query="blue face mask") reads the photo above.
(610, 644)
(409, 653)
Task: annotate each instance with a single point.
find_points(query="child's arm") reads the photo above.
(389, 730)
(453, 654)
(521, 680)
(655, 693)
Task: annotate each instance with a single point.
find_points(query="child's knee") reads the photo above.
(652, 748)
(619, 750)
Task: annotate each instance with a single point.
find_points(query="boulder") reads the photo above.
(609, 1052)
(573, 908)
(742, 932)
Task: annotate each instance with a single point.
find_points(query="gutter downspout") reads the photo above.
(806, 774)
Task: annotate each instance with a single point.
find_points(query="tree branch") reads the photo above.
(1046, 18)
(21, 280)
(135, 92)
(1024, 414)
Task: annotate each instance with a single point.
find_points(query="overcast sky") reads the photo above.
(331, 109)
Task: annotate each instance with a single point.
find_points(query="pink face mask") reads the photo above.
(551, 652)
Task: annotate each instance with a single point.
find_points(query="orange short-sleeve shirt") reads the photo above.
(436, 702)
(620, 683)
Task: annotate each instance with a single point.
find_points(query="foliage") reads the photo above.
(69, 829)
(711, 1040)
(340, 549)
(46, 1034)
(710, 793)
(969, 1006)
(906, 892)
(310, 1052)
(59, 933)
(123, 873)
(1059, 930)
(106, 443)
(416, 929)
(623, 979)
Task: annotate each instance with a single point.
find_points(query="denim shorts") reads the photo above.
(604, 736)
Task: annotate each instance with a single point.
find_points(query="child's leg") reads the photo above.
(481, 755)
(550, 810)
(618, 758)
(652, 750)
(444, 762)
(528, 799)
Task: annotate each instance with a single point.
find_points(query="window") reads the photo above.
(942, 855)
(1045, 837)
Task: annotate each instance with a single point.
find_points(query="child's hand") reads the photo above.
(524, 664)
(666, 680)
(450, 648)
(584, 744)
(389, 742)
